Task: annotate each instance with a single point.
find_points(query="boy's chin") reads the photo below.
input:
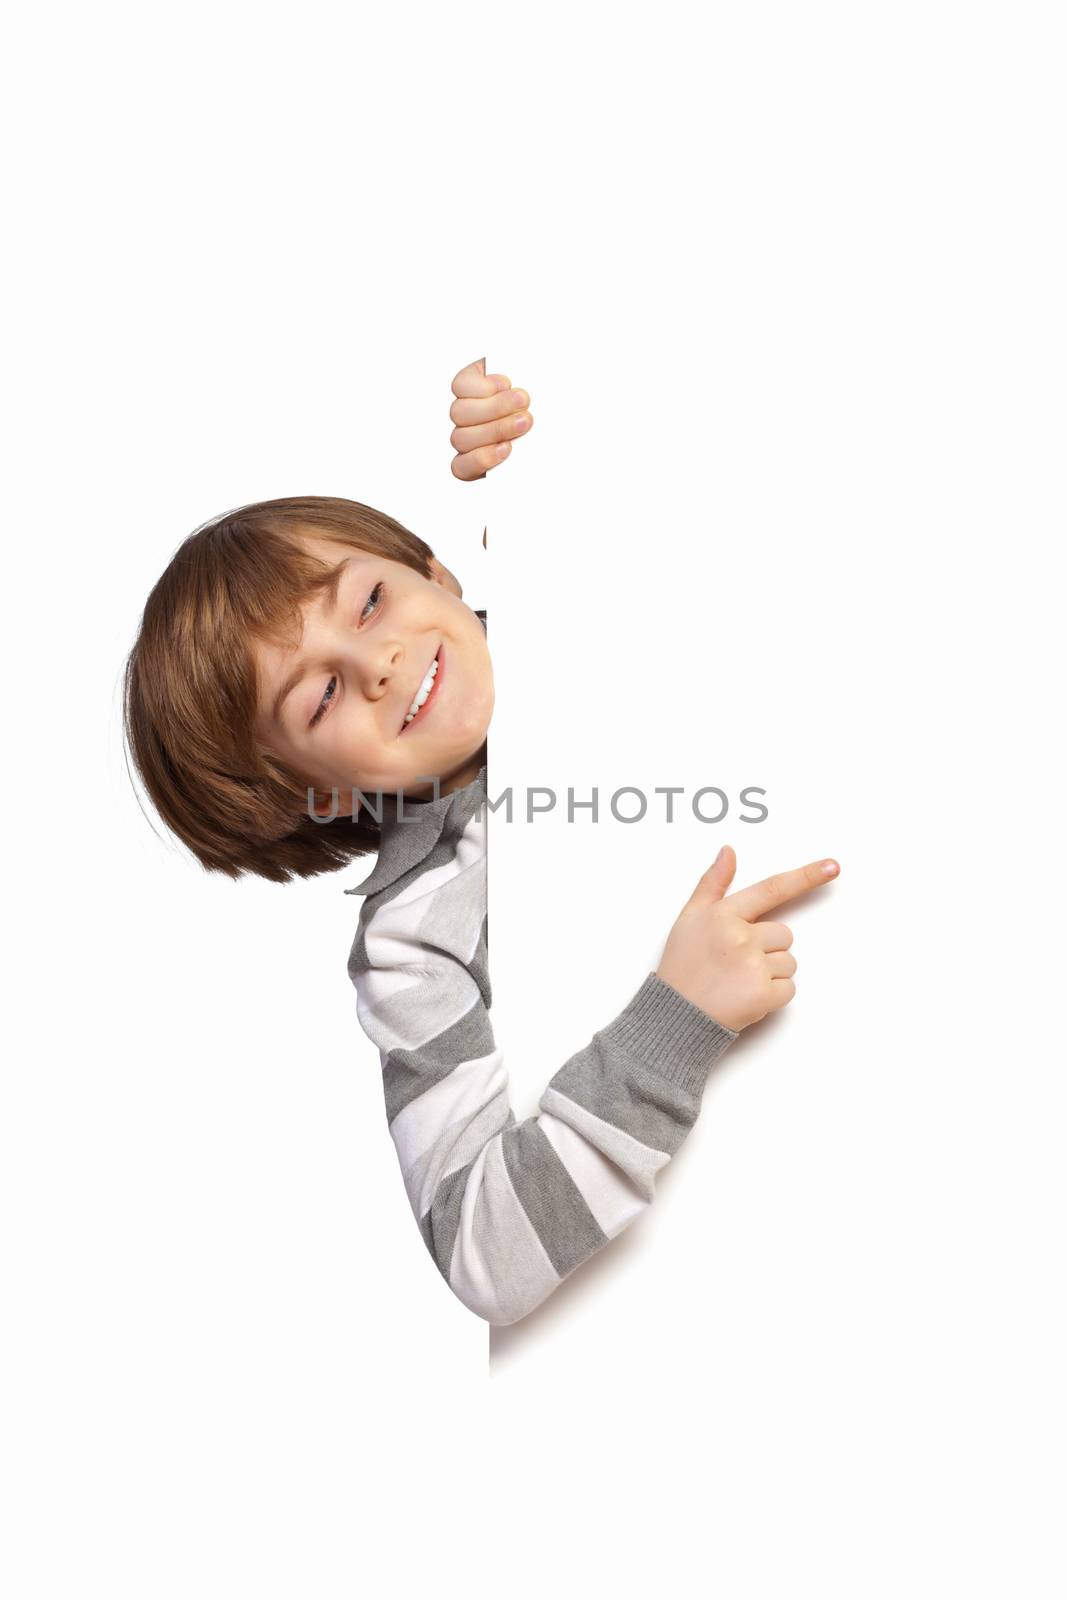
(419, 783)
(446, 767)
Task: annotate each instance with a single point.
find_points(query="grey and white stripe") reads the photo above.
(506, 1209)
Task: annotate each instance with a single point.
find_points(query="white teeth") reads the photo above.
(424, 689)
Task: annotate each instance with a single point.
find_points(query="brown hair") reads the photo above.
(190, 685)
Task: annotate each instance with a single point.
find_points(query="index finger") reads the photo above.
(759, 898)
(471, 383)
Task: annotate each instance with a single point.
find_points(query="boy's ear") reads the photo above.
(324, 804)
(448, 580)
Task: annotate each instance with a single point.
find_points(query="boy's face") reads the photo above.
(361, 663)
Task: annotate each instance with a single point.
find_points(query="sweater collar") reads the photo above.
(408, 839)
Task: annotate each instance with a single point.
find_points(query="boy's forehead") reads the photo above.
(335, 551)
(332, 551)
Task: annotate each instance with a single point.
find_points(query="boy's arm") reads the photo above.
(509, 1209)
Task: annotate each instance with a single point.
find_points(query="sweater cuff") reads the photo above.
(670, 1034)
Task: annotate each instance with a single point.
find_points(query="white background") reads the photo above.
(785, 286)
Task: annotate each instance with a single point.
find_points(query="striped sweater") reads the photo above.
(506, 1209)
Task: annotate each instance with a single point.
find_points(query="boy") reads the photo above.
(306, 669)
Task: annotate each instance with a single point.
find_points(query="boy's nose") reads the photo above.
(374, 664)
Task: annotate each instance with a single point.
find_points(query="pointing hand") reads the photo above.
(723, 957)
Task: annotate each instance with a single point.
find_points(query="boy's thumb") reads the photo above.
(719, 876)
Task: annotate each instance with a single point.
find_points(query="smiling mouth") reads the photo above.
(430, 698)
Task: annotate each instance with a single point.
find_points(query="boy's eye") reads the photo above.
(377, 587)
(327, 697)
(373, 604)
